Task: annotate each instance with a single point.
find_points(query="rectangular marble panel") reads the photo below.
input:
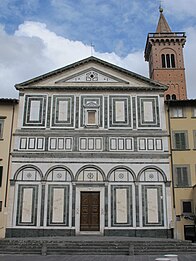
(159, 145)
(53, 143)
(121, 144)
(121, 205)
(152, 206)
(31, 144)
(129, 144)
(90, 144)
(63, 109)
(98, 144)
(34, 111)
(58, 205)
(61, 143)
(83, 144)
(113, 144)
(27, 205)
(148, 111)
(120, 111)
(68, 143)
(40, 143)
(142, 144)
(23, 143)
(150, 143)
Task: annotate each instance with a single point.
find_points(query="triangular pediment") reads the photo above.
(91, 75)
(88, 74)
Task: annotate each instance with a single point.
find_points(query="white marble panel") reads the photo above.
(152, 206)
(40, 143)
(68, 144)
(60, 143)
(148, 111)
(150, 144)
(113, 144)
(98, 145)
(23, 142)
(34, 111)
(121, 205)
(58, 205)
(53, 143)
(63, 109)
(90, 144)
(129, 144)
(27, 204)
(120, 111)
(121, 144)
(83, 143)
(142, 144)
(158, 144)
(31, 143)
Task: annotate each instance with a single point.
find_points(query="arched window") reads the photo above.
(173, 61)
(167, 97)
(168, 60)
(163, 60)
(173, 97)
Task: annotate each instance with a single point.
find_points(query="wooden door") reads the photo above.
(90, 211)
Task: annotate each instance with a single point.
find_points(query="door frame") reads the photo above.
(77, 209)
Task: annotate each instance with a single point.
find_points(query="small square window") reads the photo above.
(187, 207)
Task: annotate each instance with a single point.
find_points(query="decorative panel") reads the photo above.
(63, 111)
(91, 144)
(29, 143)
(27, 205)
(91, 75)
(90, 174)
(150, 144)
(121, 175)
(121, 144)
(151, 175)
(35, 111)
(120, 110)
(58, 205)
(121, 206)
(61, 143)
(28, 174)
(152, 205)
(59, 174)
(148, 112)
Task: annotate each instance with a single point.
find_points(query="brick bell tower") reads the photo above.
(164, 52)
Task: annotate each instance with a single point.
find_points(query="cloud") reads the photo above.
(181, 9)
(34, 50)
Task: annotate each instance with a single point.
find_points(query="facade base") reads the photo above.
(25, 232)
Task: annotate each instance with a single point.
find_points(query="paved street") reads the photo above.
(88, 258)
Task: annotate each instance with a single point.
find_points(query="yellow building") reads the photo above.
(8, 110)
(182, 128)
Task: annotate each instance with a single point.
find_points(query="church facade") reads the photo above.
(90, 155)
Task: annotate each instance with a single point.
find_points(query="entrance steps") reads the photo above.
(95, 246)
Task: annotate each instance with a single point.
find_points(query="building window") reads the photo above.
(194, 112)
(1, 206)
(186, 207)
(177, 112)
(168, 61)
(1, 175)
(167, 97)
(173, 97)
(91, 114)
(1, 128)
(182, 176)
(180, 140)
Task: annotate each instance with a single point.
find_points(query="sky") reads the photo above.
(38, 36)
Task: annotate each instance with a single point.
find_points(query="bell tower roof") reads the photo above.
(162, 26)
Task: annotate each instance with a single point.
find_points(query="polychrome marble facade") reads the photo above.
(90, 155)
